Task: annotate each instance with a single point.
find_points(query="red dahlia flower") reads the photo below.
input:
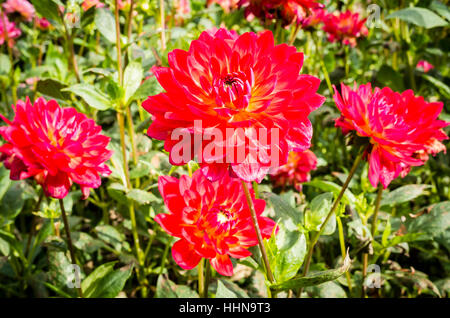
(11, 30)
(345, 27)
(402, 128)
(57, 146)
(296, 171)
(212, 220)
(315, 18)
(288, 11)
(248, 96)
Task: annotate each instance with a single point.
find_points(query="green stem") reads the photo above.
(11, 58)
(201, 278)
(322, 64)
(372, 232)
(343, 250)
(163, 25)
(258, 232)
(166, 251)
(69, 242)
(315, 237)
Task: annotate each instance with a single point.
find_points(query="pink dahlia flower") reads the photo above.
(11, 31)
(345, 27)
(239, 99)
(211, 219)
(57, 146)
(296, 170)
(23, 7)
(424, 66)
(402, 129)
(87, 4)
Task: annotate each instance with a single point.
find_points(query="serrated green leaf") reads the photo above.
(132, 80)
(319, 208)
(315, 278)
(91, 95)
(47, 9)
(403, 194)
(142, 197)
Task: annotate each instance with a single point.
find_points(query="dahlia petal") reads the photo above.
(184, 254)
(57, 186)
(222, 264)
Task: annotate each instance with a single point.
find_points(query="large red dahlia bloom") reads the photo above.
(212, 220)
(296, 171)
(243, 87)
(345, 27)
(402, 128)
(57, 146)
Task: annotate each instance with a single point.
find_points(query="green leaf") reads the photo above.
(12, 201)
(329, 186)
(286, 252)
(165, 288)
(148, 88)
(5, 64)
(387, 76)
(52, 88)
(105, 282)
(88, 284)
(419, 16)
(105, 23)
(132, 80)
(440, 8)
(403, 194)
(226, 289)
(282, 209)
(441, 86)
(319, 208)
(223, 292)
(91, 95)
(112, 236)
(142, 197)
(327, 290)
(47, 9)
(315, 278)
(434, 223)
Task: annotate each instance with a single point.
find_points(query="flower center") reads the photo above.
(232, 91)
(223, 217)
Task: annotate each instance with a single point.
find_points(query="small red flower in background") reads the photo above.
(87, 4)
(212, 220)
(296, 170)
(231, 81)
(424, 66)
(345, 27)
(42, 23)
(11, 30)
(315, 18)
(288, 11)
(57, 146)
(23, 7)
(402, 128)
